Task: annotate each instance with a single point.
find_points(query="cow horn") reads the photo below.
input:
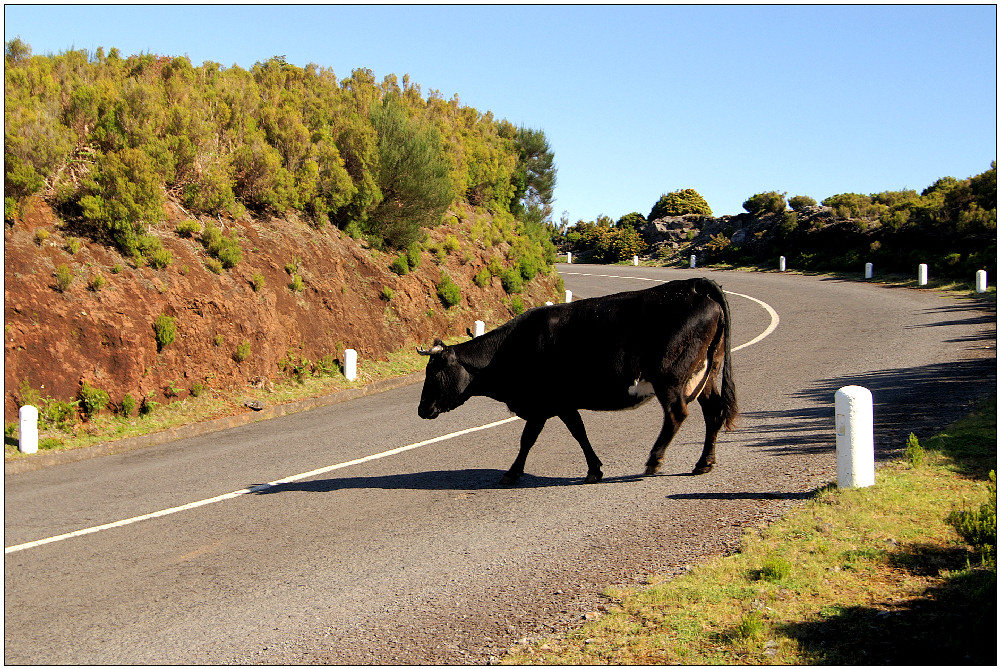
(437, 348)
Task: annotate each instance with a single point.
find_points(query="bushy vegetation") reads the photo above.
(679, 203)
(107, 138)
(950, 225)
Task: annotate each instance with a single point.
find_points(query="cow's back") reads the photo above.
(587, 354)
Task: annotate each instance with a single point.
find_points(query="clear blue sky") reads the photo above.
(636, 101)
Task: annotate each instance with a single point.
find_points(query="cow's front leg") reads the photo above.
(575, 424)
(532, 428)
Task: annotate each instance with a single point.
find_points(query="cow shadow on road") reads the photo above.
(457, 479)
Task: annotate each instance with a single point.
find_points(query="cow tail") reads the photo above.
(729, 407)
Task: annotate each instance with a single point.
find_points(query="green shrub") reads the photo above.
(387, 293)
(293, 266)
(41, 236)
(517, 305)
(57, 413)
(914, 451)
(297, 285)
(165, 329)
(482, 277)
(511, 280)
(213, 266)
(50, 443)
(679, 203)
(188, 228)
(529, 266)
(750, 626)
(93, 400)
(197, 388)
(72, 245)
(400, 265)
(448, 291)
(148, 405)
(64, 277)
(242, 351)
(494, 266)
(451, 244)
(127, 406)
(978, 527)
(770, 202)
(800, 202)
(257, 282)
(413, 255)
(160, 258)
(96, 282)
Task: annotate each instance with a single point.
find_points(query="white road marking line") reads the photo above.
(770, 328)
(258, 488)
(376, 456)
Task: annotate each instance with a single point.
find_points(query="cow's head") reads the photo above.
(446, 383)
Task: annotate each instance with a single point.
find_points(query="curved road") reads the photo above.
(418, 556)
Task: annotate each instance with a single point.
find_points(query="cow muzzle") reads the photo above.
(428, 412)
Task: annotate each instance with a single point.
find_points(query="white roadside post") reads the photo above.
(28, 427)
(569, 296)
(351, 364)
(922, 274)
(869, 270)
(781, 264)
(692, 261)
(855, 437)
(635, 260)
(981, 281)
(480, 328)
(569, 258)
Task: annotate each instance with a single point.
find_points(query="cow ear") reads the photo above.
(438, 342)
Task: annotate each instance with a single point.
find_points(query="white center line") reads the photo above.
(257, 488)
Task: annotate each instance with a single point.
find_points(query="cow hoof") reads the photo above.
(594, 477)
(509, 479)
(702, 469)
(652, 469)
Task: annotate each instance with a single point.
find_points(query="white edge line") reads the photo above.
(253, 489)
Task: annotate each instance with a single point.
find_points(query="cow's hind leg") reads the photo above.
(575, 424)
(674, 413)
(711, 407)
(532, 428)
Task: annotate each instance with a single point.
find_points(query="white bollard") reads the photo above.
(981, 281)
(635, 260)
(692, 262)
(480, 328)
(869, 270)
(855, 437)
(28, 419)
(548, 304)
(781, 264)
(569, 296)
(569, 258)
(922, 274)
(351, 364)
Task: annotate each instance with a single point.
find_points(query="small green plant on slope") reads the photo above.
(165, 329)
(448, 292)
(915, 454)
(93, 400)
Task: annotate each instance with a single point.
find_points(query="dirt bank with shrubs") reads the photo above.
(78, 311)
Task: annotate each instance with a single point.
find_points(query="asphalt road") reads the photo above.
(419, 556)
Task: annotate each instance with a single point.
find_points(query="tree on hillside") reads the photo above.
(535, 178)
(679, 203)
(412, 176)
(770, 202)
(633, 220)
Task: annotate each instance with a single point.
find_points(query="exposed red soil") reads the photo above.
(56, 340)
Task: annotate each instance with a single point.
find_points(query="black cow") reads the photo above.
(603, 353)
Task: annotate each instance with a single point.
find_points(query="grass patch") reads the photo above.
(875, 575)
